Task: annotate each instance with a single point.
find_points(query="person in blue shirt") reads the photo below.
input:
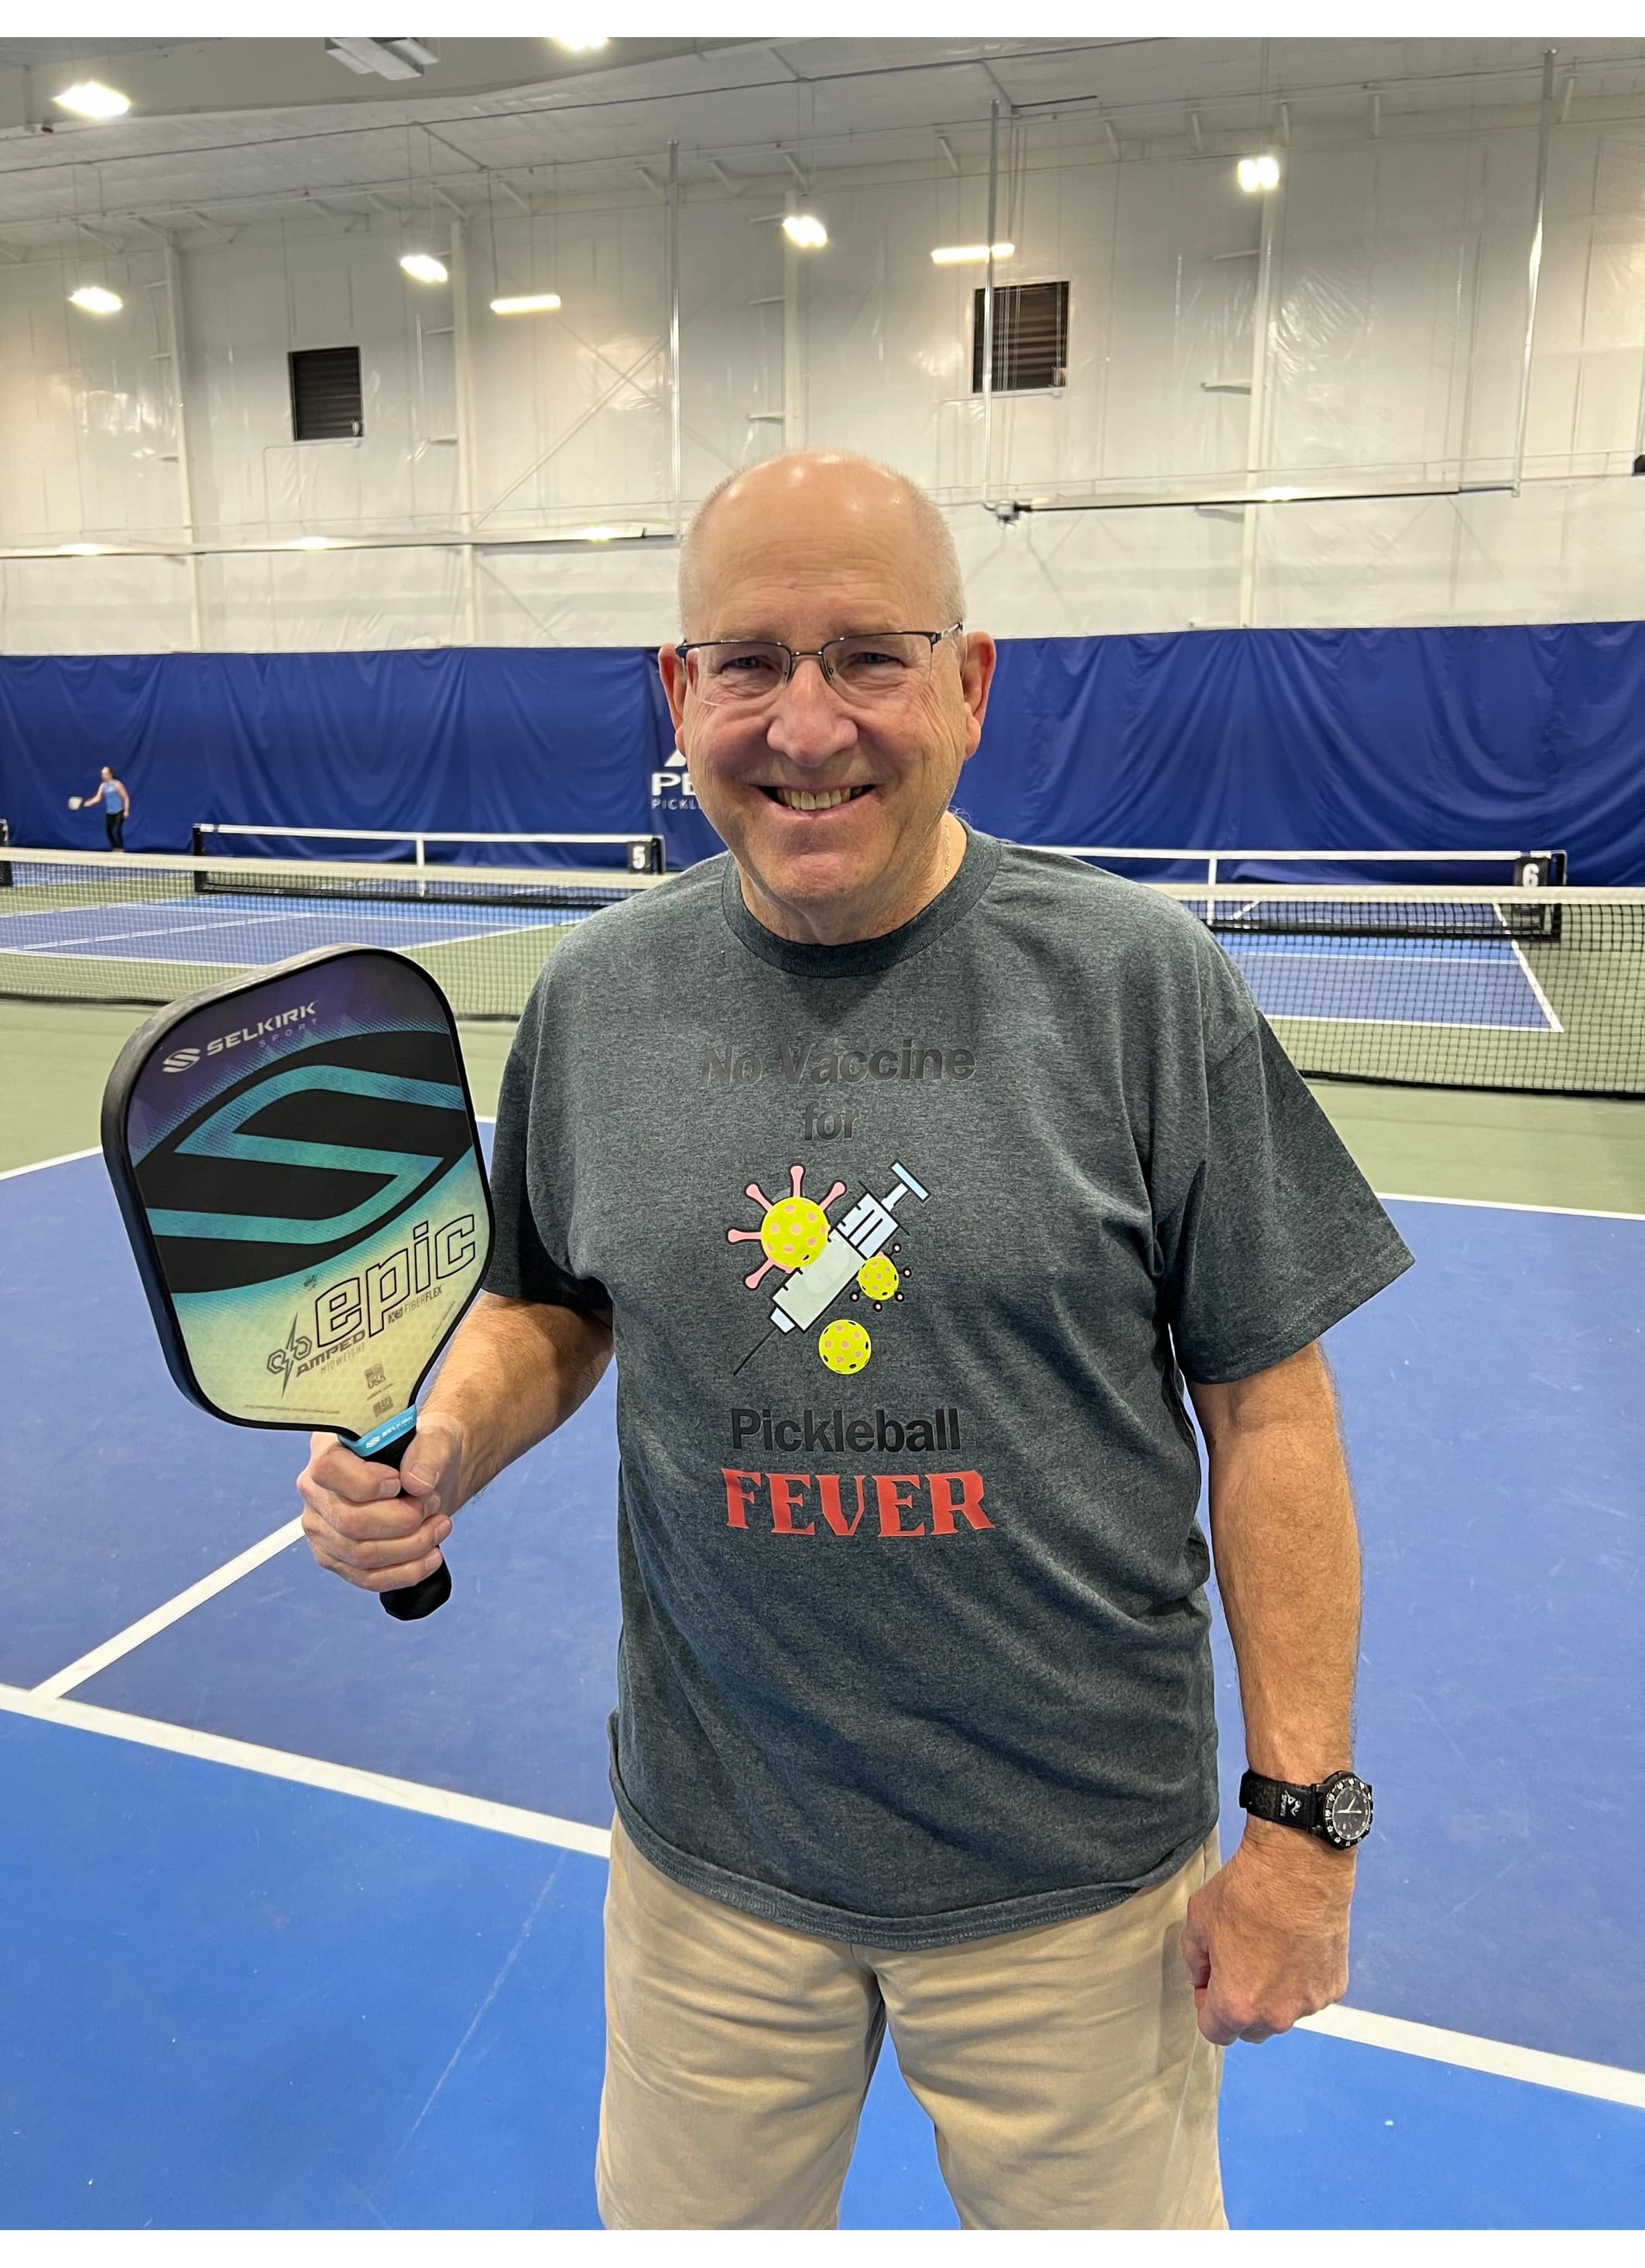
(116, 806)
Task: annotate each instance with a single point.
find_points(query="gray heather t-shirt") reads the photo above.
(905, 1241)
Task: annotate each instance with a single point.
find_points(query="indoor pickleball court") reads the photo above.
(1287, 402)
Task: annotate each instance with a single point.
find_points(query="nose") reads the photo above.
(810, 722)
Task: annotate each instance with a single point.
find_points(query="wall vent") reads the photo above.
(1030, 337)
(326, 394)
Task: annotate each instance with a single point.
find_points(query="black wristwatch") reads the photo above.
(1337, 1809)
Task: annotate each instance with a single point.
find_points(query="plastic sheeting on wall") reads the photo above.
(1512, 738)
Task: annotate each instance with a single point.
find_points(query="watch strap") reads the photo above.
(1281, 1800)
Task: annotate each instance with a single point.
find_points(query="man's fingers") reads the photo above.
(371, 1554)
(341, 1473)
(389, 1579)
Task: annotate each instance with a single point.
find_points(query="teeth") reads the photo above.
(796, 799)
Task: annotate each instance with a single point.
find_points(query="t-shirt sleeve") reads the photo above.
(532, 1177)
(1272, 1233)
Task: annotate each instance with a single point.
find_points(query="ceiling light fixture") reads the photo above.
(96, 300)
(1258, 172)
(804, 230)
(586, 43)
(88, 99)
(961, 256)
(82, 550)
(384, 58)
(310, 543)
(598, 534)
(423, 265)
(530, 302)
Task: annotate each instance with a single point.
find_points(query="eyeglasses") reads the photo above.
(867, 668)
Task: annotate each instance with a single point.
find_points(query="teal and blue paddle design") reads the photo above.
(299, 1169)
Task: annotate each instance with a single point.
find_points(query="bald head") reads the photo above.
(831, 503)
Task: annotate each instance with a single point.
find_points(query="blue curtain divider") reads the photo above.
(1530, 736)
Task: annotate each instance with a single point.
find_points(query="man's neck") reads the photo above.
(850, 922)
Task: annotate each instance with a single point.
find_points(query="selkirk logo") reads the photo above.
(185, 1058)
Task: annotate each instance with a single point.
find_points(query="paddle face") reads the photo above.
(299, 1169)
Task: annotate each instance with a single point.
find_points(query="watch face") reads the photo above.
(1346, 1812)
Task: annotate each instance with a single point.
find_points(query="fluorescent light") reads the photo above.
(88, 99)
(310, 543)
(1258, 172)
(530, 303)
(961, 256)
(82, 550)
(805, 230)
(96, 300)
(423, 265)
(584, 44)
(387, 58)
(1279, 496)
(597, 535)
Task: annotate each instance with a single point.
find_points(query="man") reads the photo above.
(907, 1172)
(116, 807)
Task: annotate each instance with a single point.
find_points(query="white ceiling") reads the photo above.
(228, 134)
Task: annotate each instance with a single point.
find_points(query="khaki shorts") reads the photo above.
(1062, 2067)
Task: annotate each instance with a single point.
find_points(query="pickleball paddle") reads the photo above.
(74, 803)
(299, 1169)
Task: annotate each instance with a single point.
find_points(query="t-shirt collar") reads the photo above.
(865, 956)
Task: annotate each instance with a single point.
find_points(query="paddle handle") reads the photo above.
(410, 1604)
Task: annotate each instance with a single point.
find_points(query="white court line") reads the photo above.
(1569, 2074)
(311, 1772)
(1504, 1204)
(69, 1158)
(1601, 2082)
(136, 1634)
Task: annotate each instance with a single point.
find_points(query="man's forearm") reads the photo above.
(514, 1372)
(1287, 1564)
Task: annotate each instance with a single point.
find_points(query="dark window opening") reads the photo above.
(326, 394)
(1030, 337)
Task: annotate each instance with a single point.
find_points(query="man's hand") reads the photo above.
(1266, 1939)
(379, 1530)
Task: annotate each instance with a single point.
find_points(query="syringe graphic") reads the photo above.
(865, 1229)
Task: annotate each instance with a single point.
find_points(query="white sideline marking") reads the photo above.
(1603, 2083)
(136, 1634)
(1504, 1204)
(1568, 2074)
(69, 1158)
(310, 1772)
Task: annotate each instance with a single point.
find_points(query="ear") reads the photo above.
(977, 657)
(672, 671)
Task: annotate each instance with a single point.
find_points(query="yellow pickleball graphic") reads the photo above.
(846, 1347)
(793, 1232)
(878, 1277)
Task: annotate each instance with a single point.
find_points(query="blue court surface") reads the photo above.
(228, 931)
(233, 2000)
(1483, 983)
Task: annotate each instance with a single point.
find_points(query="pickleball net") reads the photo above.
(1541, 990)
(140, 931)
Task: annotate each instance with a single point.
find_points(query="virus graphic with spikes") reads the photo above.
(793, 1230)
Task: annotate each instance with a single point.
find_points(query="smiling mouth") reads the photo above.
(799, 799)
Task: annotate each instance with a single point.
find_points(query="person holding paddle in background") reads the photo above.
(896, 1747)
(116, 807)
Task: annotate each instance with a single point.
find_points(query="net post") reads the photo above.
(196, 849)
(5, 863)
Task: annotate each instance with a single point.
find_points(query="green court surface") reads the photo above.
(1505, 1149)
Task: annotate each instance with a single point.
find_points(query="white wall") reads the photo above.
(1395, 351)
